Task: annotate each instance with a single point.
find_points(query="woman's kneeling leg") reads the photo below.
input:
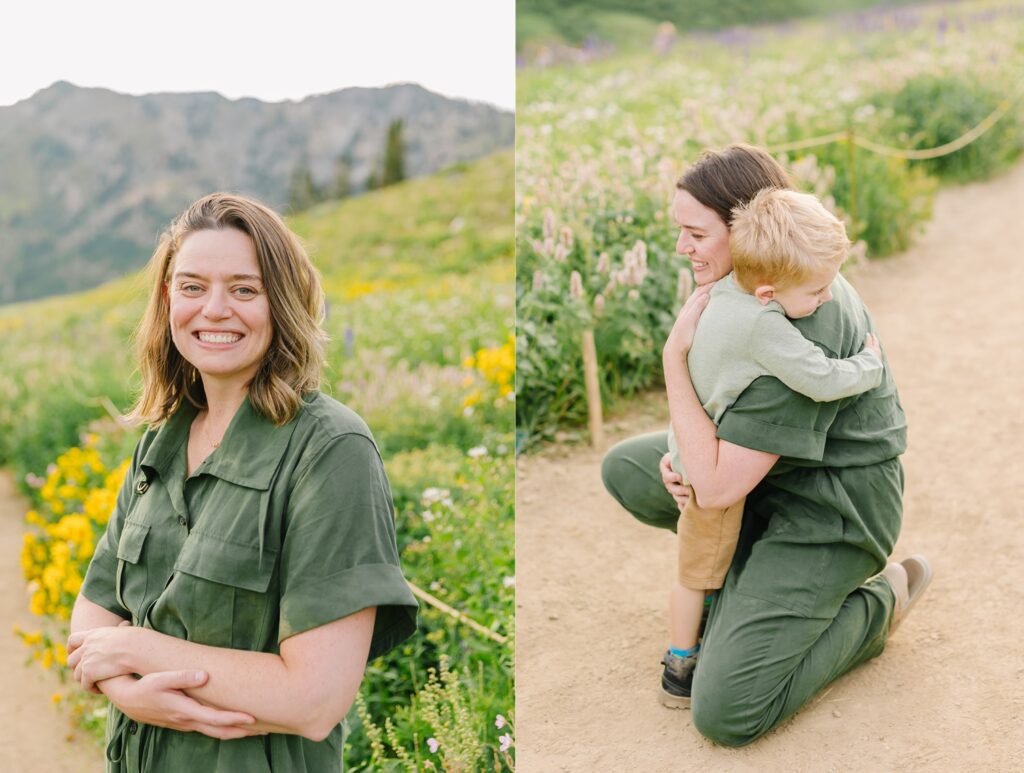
(761, 662)
(630, 473)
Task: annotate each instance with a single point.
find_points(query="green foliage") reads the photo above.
(893, 199)
(394, 155)
(342, 178)
(302, 191)
(390, 169)
(455, 511)
(930, 110)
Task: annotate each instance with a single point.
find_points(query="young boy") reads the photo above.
(786, 251)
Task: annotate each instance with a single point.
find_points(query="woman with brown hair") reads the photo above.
(801, 604)
(249, 569)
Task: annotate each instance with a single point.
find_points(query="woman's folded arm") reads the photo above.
(306, 690)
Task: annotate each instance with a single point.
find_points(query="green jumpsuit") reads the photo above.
(798, 608)
(280, 530)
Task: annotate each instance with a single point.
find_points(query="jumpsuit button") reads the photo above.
(143, 486)
(133, 727)
(182, 520)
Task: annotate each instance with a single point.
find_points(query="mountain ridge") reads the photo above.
(89, 176)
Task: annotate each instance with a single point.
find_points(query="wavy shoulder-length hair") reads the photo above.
(294, 362)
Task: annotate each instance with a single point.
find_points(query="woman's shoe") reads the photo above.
(919, 576)
(676, 680)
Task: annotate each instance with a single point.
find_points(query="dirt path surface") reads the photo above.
(948, 692)
(34, 737)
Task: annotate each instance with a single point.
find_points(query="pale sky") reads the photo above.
(287, 49)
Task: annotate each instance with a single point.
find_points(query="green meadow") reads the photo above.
(419, 284)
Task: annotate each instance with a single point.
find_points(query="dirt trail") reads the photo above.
(947, 693)
(34, 737)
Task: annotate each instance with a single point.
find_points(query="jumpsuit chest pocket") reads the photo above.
(131, 579)
(225, 586)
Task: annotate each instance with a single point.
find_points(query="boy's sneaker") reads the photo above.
(676, 680)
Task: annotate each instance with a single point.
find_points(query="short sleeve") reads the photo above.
(339, 553)
(770, 417)
(99, 585)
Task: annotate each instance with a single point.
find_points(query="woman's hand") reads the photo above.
(100, 653)
(871, 343)
(680, 339)
(674, 482)
(159, 699)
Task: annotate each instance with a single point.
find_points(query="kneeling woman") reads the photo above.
(252, 547)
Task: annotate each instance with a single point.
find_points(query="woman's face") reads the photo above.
(219, 313)
(703, 238)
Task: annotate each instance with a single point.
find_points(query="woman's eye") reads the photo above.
(245, 292)
(191, 289)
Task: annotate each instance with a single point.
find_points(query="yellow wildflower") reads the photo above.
(52, 577)
(72, 582)
(115, 478)
(99, 505)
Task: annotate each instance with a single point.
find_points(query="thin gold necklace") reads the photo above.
(207, 436)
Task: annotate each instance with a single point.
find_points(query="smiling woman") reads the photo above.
(250, 567)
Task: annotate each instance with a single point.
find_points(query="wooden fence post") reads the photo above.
(593, 390)
(851, 151)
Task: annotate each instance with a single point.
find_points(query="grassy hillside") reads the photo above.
(417, 276)
(419, 280)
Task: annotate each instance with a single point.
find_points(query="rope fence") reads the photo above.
(459, 616)
(908, 153)
(853, 141)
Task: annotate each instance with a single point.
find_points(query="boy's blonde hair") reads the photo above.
(781, 237)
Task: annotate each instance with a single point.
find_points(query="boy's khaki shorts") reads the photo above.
(707, 541)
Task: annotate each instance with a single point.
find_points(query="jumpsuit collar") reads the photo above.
(248, 455)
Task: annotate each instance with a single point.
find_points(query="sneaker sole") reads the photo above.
(668, 700)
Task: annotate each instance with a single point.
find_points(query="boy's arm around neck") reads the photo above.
(778, 347)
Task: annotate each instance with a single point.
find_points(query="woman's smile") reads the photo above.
(219, 339)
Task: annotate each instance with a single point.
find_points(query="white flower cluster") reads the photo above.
(634, 268)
